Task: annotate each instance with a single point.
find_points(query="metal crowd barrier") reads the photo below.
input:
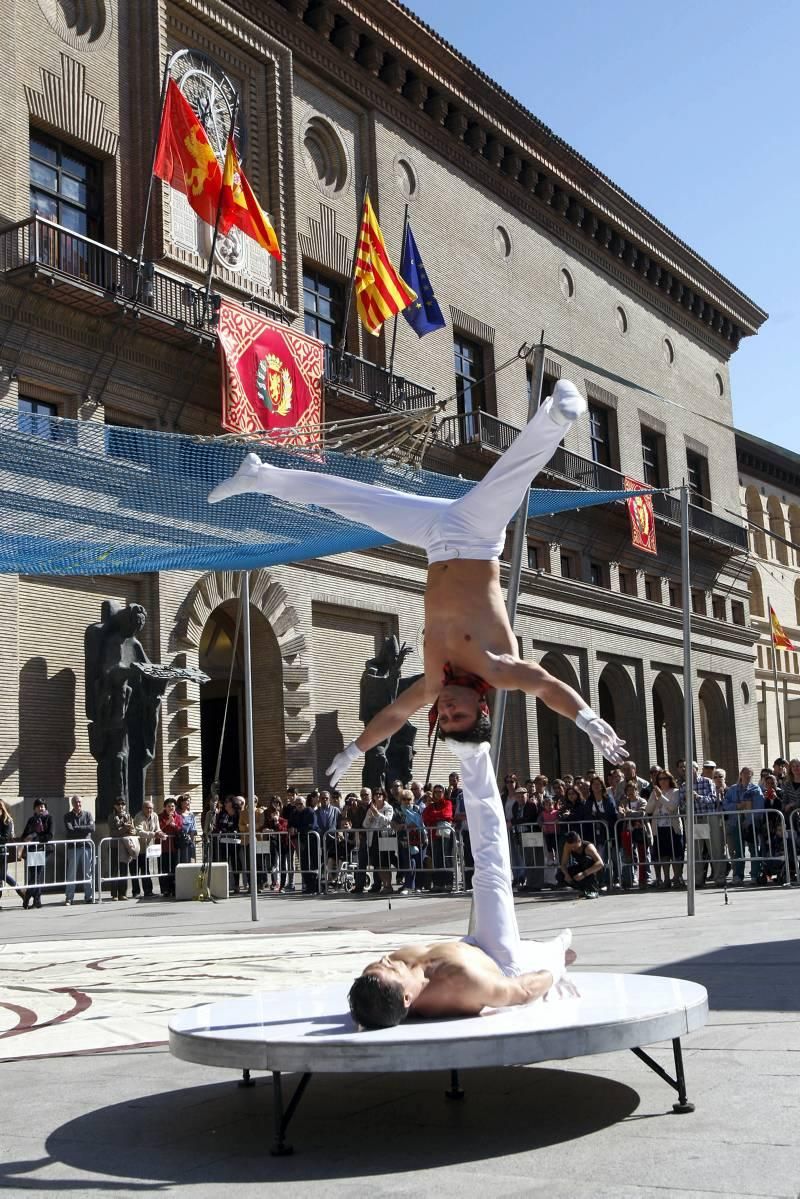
(50, 866)
(404, 857)
(116, 867)
(280, 858)
(536, 853)
(723, 843)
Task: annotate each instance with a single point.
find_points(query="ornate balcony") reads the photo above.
(351, 377)
(95, 278)
(485, 433)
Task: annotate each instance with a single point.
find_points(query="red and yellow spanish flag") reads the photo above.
(240, 207)
(380, 292)
(779, 638)
(184, 157)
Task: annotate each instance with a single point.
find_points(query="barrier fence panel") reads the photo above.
(285, 861)
(654, 847)
(411, 858)
(34, 867)
(794, 844)
(120, 862)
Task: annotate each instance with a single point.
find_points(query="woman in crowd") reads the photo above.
(438, 820)
(171, 825)
(377, 822)
(275, 833)
(185, 839)
(308, 844)
(124, 849)
(226, 841)
(636, 838)
(664, 808)
(6, 838)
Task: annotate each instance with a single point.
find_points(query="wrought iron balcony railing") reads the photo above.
(484, 431)
(356, 376)
(39, 247)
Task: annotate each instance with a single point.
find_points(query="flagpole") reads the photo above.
(349, 301)
(234, 110)
(148, 200)
(688, 687)
(775, 680)
(397, 314)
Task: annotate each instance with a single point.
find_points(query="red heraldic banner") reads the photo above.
(272, 376)
(643, 522)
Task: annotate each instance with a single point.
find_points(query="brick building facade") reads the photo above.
(519, 234)
(769, 486)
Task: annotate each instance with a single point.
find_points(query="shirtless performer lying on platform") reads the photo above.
(469, 650)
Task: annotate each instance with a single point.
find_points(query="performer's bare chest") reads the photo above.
(465, 617)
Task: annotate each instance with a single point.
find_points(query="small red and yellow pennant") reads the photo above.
(779, 637)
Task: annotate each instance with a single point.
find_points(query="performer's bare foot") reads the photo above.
(240, 483)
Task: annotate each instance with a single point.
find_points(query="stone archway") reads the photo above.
(562, 748)
(277, 639)
(668, 719)
(717, 728)
(619, 705)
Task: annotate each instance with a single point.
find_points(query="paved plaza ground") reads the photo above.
(93, 1104)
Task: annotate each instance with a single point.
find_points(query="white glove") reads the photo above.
(602, 736)
(342, 763)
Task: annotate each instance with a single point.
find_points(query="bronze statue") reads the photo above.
(380, 685)
(124, 690)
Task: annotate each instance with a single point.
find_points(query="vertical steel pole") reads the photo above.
(781, 746)
(248, 707)
(397, 314)
(149, 197)
(688, 719)
(517, 551)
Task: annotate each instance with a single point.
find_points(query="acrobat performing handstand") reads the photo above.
(470, 649)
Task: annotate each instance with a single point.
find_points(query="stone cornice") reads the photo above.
(378, 51)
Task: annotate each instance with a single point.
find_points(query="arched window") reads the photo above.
(794, 532)
(777, 526)
(756, 594)
(755, 514)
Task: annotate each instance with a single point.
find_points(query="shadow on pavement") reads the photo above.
(762, 977)
(344, 1128)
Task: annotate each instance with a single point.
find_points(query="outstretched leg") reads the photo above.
(495, 929)
(403, 517)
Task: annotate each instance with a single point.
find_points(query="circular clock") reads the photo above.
(213, 97)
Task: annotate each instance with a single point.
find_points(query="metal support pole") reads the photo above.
(688, 688)
(148, 200)
(397, 314)
(248, 707)
(215, 235)
(517, 552)
(781, 741)
(352, 284)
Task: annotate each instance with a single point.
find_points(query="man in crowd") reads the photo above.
(629, 775)
(79, 826)
(704, 809)
(741, 800)
(327, 824)
(581, 866)
(148, 830)
(455, 794)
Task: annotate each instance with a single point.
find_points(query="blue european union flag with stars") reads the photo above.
(423, 314)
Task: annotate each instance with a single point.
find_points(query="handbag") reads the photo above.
(130, 846)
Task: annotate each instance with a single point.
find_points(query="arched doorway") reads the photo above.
(620, 707)
(562, 748)
(717, 729)
(668, 719)
(219, 649)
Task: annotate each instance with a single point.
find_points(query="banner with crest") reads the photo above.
(271, 376)
(643, 521)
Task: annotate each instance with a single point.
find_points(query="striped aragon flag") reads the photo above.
(779, 636)
(380, 291)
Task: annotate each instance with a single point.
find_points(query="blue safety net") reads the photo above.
(84, 498)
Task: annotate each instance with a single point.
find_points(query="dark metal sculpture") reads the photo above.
(391, 760)
(124, 690)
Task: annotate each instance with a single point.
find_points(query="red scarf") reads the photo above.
(474, 681)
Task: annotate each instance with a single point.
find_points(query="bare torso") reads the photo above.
(465, 620)
(460, 978)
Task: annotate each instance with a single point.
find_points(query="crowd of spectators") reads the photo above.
(586, 832)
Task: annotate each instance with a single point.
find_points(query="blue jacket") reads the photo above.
(738, 794)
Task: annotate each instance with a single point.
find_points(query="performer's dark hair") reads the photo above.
(480, 731)
(375, 1003)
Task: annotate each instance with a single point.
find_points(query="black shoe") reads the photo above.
(25, 901)
(37, 903)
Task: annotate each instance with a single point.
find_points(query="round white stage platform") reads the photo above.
(311, 1031)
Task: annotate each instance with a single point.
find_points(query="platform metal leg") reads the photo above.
(280, 1117)
(678, 1083)
(455, 1091)
(246, 1080)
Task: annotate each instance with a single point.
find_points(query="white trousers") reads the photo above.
(495, 923)
(471, 527)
